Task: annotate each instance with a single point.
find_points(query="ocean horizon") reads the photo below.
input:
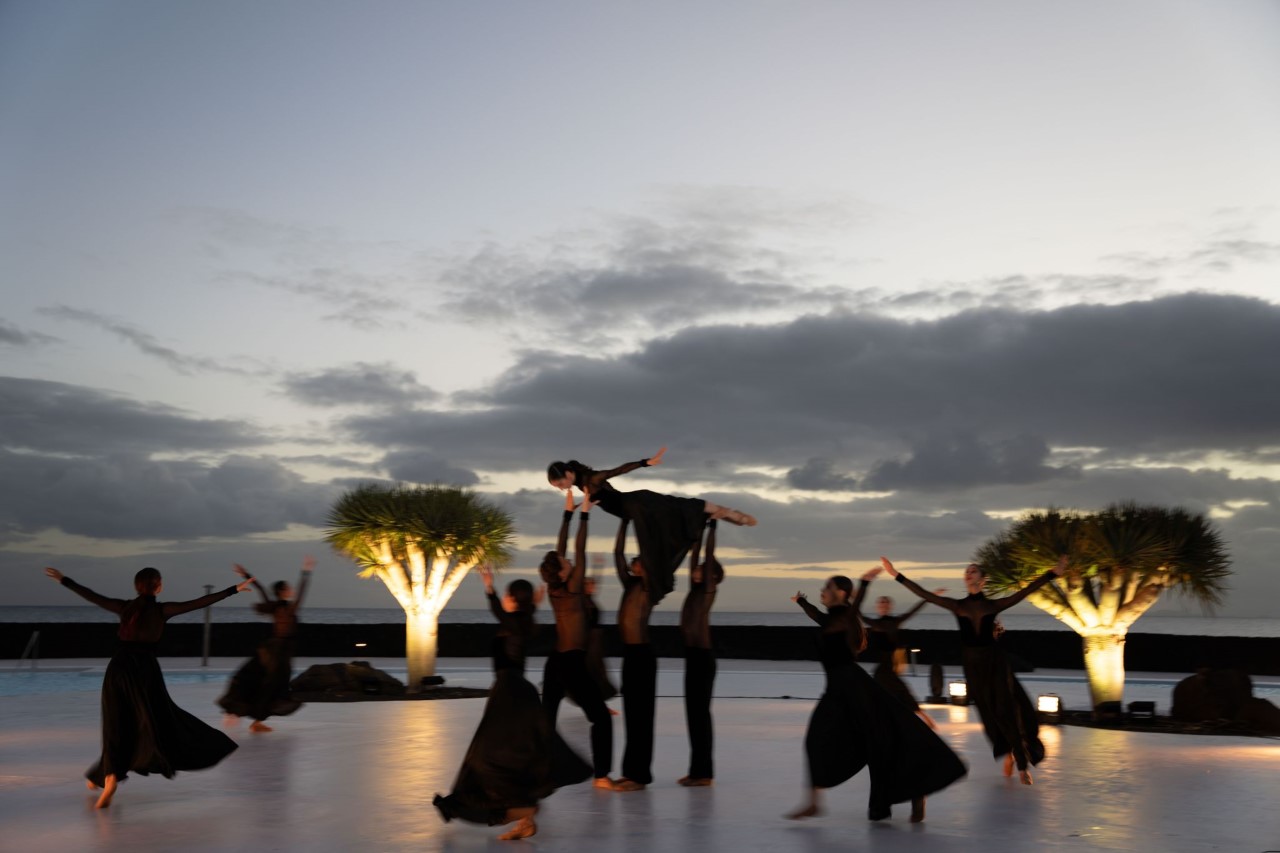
(1023, 620)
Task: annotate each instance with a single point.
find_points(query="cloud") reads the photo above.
(353, 298)
(416, 466)
(53, 417)
(148, 344)
(129, 496)
(11, 335)
(359, 384)
(818, 475)
(963, 460)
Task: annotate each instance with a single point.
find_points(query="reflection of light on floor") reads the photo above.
(1267, 752)
(1051, 737)
(957, 714)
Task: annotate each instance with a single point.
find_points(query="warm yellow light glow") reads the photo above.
(1048, 703)
(958, 690)
(361, 645)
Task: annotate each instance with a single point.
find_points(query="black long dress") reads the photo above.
(883, 644)
(515, 758)
(858, 724)
(666, 526)
(1008, 717)
(260, 688)
(143, 731)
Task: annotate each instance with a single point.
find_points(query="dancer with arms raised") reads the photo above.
(1008, 717)
(143, 731)
(700, 661)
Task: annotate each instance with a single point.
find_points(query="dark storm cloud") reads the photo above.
(11, 335)
(129, 496)
(359, 384)
(416, 466)
(818, 475)
(148, 344)
(959, 461)
(53, 417)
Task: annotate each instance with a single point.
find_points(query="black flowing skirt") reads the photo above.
(886, 675)
(143, 731)
(1008, 717)
(666, 528)
(858, 724)
(515, 758)
(260, 688)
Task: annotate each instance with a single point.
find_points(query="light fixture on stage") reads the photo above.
(361, 645)
(959, 692)
(1050, 707)
(1145, 711)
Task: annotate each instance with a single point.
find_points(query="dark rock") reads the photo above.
(356, 677)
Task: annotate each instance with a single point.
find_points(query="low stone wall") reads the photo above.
(1047, 649)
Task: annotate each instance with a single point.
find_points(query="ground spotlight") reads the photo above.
(1050, 707)
(959, 692)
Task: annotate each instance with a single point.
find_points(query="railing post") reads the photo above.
(208, 615)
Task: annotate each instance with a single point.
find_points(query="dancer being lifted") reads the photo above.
(857, 724)
(639, 667)
(516, 758)
(700, 660)
(666, 526)
(1008, 717)
(566, 669)
(143, 731)
(884, 644)
(260, 688)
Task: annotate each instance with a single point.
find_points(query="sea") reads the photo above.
(1023, 620)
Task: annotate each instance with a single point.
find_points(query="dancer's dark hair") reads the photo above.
(843, 584)
(550, 568)
(279, 587)
(146, 581)
(521, 592)
(711, 568)
(556, 470)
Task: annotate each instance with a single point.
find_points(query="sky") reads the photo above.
(883, 275)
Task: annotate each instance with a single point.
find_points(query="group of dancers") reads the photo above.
(516, 758)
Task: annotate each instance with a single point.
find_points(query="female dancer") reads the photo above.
(700, 660)
(885, 645)
(515, 758)
(666, 526)
(1008, 717)
(143, 731)
(857, 724)
(639, 667)
(566, 670)
(260, 688)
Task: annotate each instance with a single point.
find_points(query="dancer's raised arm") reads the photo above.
(863, 582)
(115, 605)
(177, 608)
(1002, 604)
(562, 538)
(244, 573)
(711, 578)
(812, 612)
(308, 566)
(578, 569)
(933, 598)
(495, 603)
(626, 468)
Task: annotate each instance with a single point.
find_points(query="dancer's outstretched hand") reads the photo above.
(308, 564)
(486, 575)
(799, 596)
(587, 503)
(569, 503)
(942, 591)
(244, 584)
(888, 567)
(1061, 568)
(870, 574)
(656, 459)
(240, 570)
(54, 574)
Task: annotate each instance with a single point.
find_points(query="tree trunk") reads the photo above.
(420, 634)
(1104, 665)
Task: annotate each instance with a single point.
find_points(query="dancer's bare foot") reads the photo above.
(90, 784)
(734, 516)
(1025, 776)
(695, 781)
(917, 810)
(230, 721)
(810, 810)
(613, 712)
(602, 782)
(1008, 764)
(625, 784)
(524, 828)
(259, 726)
(108, 791)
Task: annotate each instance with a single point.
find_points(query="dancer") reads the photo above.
(516, 758)
(700, 661)
(666, 526)
(639, 667)
(595, 643)
(884, 644)
(260, 688)
(1008, 717)
(143, 731)
(857, 724)
(566, 669)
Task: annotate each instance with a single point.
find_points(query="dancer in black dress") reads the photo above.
(516, 758)
(700, 661)
(639, 667)
(143, 731)
(884, 644)
(1008, 717)
(260, 688)
(566, 670)
(857, 724)
(666, 526)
